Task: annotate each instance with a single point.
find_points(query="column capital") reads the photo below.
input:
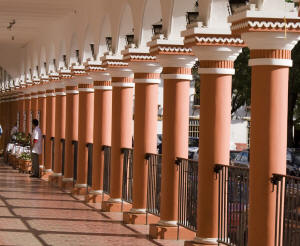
(103, 85)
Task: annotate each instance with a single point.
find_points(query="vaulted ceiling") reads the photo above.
(30, 16)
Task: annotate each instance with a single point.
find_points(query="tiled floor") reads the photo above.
(33, 213)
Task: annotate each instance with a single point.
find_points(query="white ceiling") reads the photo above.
(30, 16)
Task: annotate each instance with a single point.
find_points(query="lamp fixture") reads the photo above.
(130, 39)
(157, 28)
(109, 43)
(92, 46)
(65, 60)
(11, 24)
(77, 56)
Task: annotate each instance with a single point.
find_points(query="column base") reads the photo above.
(96, 198)
(202, 241)
(139, 219)
(45, 175)
(67, 185)
(80, 191)
(55, 180)
(157, 231)
(113, 206)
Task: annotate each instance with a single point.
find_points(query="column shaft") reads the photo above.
(268, 136)
(102, 129)
(145, 135)
(42, 121)
(28, 113)
(60, 126)
(85, 131)
(122, 106)
(50, 128)
(72, 106)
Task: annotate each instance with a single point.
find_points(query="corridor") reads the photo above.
(34, 213)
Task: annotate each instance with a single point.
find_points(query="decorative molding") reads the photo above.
(229, 71)
(271, 62)
(103, 87)
(122, 84)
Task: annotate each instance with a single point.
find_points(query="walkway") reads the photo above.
(33, 213)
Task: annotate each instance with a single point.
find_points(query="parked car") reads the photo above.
(292, 168)
(193, 148)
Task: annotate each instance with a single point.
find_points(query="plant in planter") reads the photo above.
(26, 162)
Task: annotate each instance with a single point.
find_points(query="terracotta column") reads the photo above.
(50, 130)
(216, 70)
(28, 113)
(34, 104)
(270, 60)
(102, 131)
(147, 79)
(21, 113)
(72, 108)
(42, 123)
(85, 131)
(177, 75)
(60, 127)
(122, 106)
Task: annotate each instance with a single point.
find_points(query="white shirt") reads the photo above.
(37, 135)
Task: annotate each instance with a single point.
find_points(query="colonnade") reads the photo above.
(95, 105)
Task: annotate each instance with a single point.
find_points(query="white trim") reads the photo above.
(96, 192)
(229, 71)
(34, 96)
(177, 76)
(67, 179)
(56, 174)
(21, 98)
(50, 94)
(147, 81)
(115, 200)
(48, 170)
(60, 93)
(41, 95)
(168, 222)
(81, 185)
(86, 89)
(137, 210)
(213, 241)
(105, 88)
(72, 91)
(27, 98)
(270, 62)
(122, 84)
(42, 166)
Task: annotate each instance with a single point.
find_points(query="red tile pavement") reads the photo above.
(33, 213)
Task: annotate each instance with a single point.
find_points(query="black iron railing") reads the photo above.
(52, 139)
(233, 204)
(75, 151)
(187, 193)
(63, 146)
(287, 219)
(127, 174)
(90, 164)
(106, 172)
(44, 147)
(154, 183)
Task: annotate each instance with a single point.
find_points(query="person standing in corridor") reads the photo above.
(37, 148)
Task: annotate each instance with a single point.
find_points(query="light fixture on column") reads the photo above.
(54, 63)
(92, 46)
(157, 28)
(109, 43)
(130, 39)
(192, 16)
(65, 61)
(77, 56)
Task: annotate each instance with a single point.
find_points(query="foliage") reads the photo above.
(241, 81)
(25, 156)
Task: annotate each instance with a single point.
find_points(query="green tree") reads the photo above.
(294, 95)
(241, 81)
